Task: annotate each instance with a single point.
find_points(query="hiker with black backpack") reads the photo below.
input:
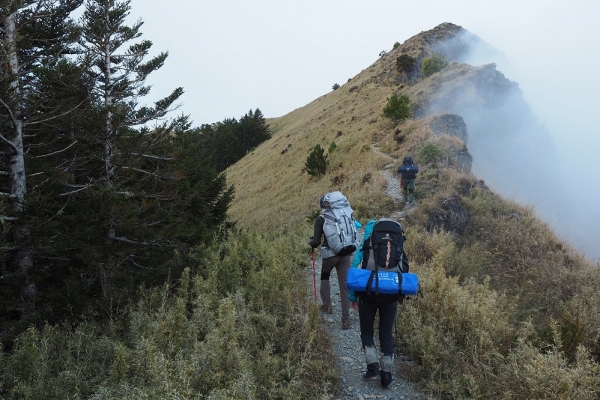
(377, 282)
(336, 228)
(408, 173)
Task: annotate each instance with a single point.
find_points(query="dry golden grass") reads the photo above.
(272, 185)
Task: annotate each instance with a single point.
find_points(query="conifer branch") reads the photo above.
(41, 121)
(75, 191)
(56, 152)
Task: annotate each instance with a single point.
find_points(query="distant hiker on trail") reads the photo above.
(381, 260)
(408, 172)
(336, 227)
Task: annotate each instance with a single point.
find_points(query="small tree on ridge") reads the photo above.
(316, 162)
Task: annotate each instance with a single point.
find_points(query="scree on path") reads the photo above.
(347, 346)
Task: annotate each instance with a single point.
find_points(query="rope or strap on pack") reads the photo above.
(389, 253)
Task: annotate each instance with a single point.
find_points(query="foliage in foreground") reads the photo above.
(508, 310)
(466, 347)
(240, 326)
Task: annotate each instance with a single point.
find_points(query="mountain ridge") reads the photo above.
(506, 147)
(351, 117)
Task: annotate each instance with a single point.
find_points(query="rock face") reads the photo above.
(450, 124)
(464, 160)
(453, 125)
(449, 215)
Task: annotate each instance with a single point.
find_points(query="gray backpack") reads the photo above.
(338, 228)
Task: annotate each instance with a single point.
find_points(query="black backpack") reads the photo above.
(384, 249)
(408, 169)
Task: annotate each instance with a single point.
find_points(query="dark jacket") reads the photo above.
(318, 235)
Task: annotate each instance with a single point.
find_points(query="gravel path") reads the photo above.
(351, 362)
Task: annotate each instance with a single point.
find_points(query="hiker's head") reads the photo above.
(324, 202)
(407, 161)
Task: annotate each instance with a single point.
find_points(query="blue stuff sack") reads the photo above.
(388, 282)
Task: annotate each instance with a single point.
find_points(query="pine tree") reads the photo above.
(253, 130)
(120, 75)
(316, 162)
(36, 37)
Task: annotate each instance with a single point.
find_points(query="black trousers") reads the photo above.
(387, 314)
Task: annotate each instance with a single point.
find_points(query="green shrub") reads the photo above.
(430, 153)
(433, 64)
(316, 162)
(396, 45)
(332, 147)
(405, 63)
(397, 108)
(335, 86)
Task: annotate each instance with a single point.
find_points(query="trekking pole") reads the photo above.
(314, 275)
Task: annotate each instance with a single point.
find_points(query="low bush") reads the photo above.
(405, 63)
(397, 108)
(242, 326)
(433, 64)
(430, 153)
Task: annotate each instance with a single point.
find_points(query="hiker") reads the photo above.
(408, 172)
(369, 303)
(335, 211)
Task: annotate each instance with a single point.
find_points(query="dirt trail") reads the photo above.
(351, 364)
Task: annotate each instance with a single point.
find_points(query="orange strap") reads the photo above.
(387, 256)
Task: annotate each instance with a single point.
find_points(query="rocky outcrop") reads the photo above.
(454, 125)
(450, 124)
(464, 160)
(449, 215)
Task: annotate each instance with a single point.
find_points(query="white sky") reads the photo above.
(231, 56)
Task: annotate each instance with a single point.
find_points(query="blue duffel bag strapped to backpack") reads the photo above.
(390, 282)
(384, 266)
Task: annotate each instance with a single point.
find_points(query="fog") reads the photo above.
(521, 158)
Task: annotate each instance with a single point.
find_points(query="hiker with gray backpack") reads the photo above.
(336, 228)
(377, 282)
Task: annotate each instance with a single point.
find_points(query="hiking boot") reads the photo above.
(346, 324)
(372, 371)
(327, 309)
(386, 379)
(387, 363)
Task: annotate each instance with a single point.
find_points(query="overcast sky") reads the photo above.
(231, 56)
